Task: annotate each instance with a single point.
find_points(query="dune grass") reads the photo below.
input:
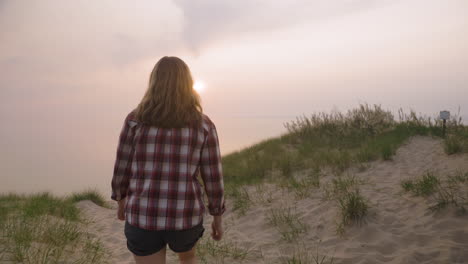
(43, 228)
(224, 251)
(423, 186)
(333, 142)
(443, 191)
(90, 194)
(303, 255)
(340, 186)
(287, 222)
(241, 199)
(452, 192)
(263, 195)
(305, 186)
(457, 142)
(353, 208)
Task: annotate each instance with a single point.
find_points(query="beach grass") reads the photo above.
(332, 142)
(452, 192)
(422, 186)
(353, 208)
(89, 194)
(43, 228)
(241, 199)
(335, 141)
(340, 186)
(263, 195)
(304, 187)
(456, 140)
(224, 251)
(287, 222)
(443, 191)
(303, 255)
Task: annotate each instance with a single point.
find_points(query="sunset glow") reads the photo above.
(199, 86)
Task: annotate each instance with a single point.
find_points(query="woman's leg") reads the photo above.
(188, 257)
(156, 258)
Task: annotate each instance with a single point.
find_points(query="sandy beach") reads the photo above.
(399, 228)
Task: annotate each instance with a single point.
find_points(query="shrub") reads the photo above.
(287, 222)
(241, 198)
(423, 186)
(453, 145)
(90, 194)
(452, 192)
(353, 207)
(387, 152)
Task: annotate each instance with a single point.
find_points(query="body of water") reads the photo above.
(75, 158)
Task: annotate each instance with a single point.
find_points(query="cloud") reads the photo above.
(53, 49)
(2, 4)
(209, 20)
(86, 35)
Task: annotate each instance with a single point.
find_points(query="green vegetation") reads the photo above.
(448, 191)
(302, 255)
(456, 143)
(353, 208)
(453, 145)
(305, 186)
(241, 199)
(456, 140)
(91, 194)
(332, 142)
(452, 192)
(287, 222)
(352, 205)
(340, 186)
(423, 186)
(224, 251)
(263, 195)
(42, 228)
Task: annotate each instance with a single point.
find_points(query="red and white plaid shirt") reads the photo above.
(156, 170)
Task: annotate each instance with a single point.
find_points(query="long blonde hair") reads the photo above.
(170, 100)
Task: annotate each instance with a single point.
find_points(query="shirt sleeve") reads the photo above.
(123, 162)
(212, 173)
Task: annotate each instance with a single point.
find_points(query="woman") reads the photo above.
(164, 144)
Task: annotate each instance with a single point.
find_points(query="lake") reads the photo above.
(62, 159)
(70, 158)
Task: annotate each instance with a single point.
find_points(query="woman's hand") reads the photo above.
(121, 210)
(217, 228)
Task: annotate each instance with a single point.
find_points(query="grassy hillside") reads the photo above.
(331, 143)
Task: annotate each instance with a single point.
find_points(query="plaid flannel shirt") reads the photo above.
(156, 170)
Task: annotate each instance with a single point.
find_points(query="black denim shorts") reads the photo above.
(142, 242)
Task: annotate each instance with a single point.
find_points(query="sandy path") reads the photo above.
(400, 229)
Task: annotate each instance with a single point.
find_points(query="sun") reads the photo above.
(199, 86)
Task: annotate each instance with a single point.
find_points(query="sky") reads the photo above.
(70, 71)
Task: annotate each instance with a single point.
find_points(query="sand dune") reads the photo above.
(398, 228)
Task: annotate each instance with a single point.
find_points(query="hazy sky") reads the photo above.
(70, 71)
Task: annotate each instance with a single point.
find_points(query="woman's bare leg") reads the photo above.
(188, 257)
(156, 258)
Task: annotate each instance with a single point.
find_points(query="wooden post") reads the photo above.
(443, 129)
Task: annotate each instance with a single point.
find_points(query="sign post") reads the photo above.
(444, 115)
